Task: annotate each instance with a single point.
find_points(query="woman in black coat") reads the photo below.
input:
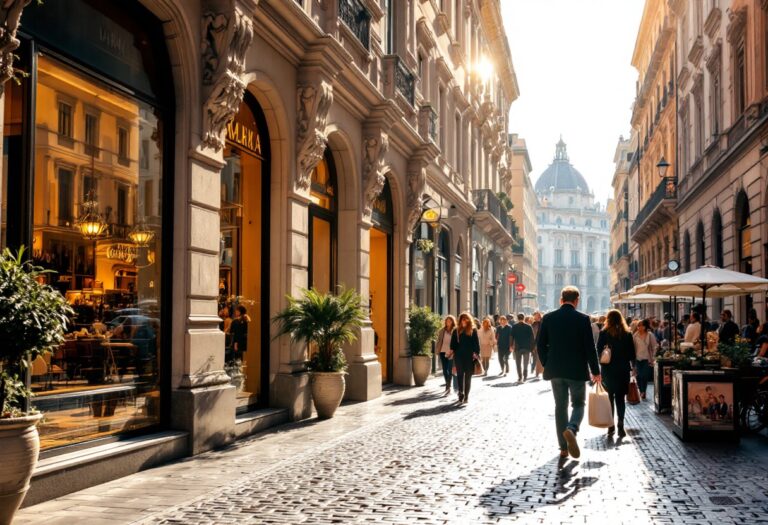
(466, 348)
(615, 374)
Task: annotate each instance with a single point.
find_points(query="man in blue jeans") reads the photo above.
(567, 351)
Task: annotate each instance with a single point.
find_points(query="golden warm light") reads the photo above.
(431, 215)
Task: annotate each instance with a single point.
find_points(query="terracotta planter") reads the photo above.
(327, 392)
(20, 445)
(421, 366)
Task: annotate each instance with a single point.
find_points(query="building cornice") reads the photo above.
(491, 20)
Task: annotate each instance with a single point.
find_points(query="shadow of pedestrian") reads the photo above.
(504, 385)
(433, 411)
(553, 483)
(424, 396)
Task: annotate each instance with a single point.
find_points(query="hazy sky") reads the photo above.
(572, 60)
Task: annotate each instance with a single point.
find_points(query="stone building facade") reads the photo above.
(210, 156)
(526, 254)
(654, 228)
(619, 213)
(722, 82)
(573, 237)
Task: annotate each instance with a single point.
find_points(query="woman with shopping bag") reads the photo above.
(617, 354)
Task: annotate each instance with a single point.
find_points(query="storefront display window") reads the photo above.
(322, 235)
(97, 224)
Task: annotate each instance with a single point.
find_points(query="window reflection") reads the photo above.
(104, 378)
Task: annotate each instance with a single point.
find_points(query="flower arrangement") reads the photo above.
(425, 245)
(737, 354)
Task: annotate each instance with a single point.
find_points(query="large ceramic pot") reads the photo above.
(327, 391)
(20, 445)
(421, 366)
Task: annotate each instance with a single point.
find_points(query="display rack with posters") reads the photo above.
(704, 405)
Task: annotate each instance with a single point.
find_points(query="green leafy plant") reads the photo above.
(325, 322)
(424, 325)
(505, 200)
(738, 352)
(33, 318)
(425, 245)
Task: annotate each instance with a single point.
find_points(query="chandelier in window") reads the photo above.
(89, 223)
(141, 235)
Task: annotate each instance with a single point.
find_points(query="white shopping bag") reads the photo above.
(600, 408)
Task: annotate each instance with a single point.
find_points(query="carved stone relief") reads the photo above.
(10, 15)
(417, 181)
(225, 40)
(313, 103)
(375, 147)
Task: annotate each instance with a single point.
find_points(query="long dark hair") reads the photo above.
(615, 325)
(470, 327)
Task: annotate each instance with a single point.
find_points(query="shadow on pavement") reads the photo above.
(504, 385)
(553, 483)
(423, 396)
(434, 411)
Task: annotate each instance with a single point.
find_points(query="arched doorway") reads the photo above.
(244, 253)
(322, 225)
(380, 290)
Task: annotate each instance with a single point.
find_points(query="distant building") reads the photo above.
(619, 213)
(573, 237)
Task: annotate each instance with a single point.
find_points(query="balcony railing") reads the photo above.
(358, 19)
(518, 247)
(665, 190)
(405, 81)
(486, 200)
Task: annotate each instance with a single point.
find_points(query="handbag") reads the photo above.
(633, 393)
(600, 414)
(478, 371)
(605, 355)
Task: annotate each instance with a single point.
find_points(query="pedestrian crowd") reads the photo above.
(570, 348)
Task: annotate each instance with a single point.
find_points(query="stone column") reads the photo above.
(202, 398)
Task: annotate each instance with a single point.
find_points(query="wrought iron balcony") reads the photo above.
(492, 217)
(405, 81)
(658, 210)
(428, 123)
(358, 19)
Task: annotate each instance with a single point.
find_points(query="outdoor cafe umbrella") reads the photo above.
(706, 280)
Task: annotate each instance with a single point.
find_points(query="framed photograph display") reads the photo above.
(704, 405)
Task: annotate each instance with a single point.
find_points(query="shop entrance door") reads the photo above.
(380, 299)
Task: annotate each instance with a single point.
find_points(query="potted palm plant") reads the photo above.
(33, 317)
(324, 322)
(423, 327)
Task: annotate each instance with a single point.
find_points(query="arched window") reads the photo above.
(558, 279)
(717, 239)
(700, 246)
(322, 221)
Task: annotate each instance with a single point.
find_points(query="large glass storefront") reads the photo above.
(322, 226)
(243, 285)
(380, 299)
(85, 168)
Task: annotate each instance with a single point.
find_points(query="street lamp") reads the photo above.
(663, 167)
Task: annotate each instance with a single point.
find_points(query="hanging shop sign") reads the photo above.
(381, 210)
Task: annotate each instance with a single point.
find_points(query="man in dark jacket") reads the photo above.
(522, 336)
(567, 351)
(728, 329)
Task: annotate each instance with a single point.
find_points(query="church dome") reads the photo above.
(561, 175)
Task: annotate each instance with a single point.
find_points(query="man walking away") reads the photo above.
(567, 351)
(504, 343)
(522, 340)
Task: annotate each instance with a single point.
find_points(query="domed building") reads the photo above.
(573, 237)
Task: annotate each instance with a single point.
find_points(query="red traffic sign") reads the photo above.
(520, 287)
(511, 278)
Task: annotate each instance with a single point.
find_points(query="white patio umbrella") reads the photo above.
(706, 280)
(644, 298)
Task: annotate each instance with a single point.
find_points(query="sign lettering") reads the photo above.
(243, 136)
(122, 252)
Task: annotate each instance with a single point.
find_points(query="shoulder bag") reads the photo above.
(605, 355)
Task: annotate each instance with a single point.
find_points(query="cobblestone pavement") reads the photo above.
(415, 457)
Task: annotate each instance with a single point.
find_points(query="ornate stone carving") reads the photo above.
(375, 147)
(225, 40)
(313, 103)
(10, 15)
(417, 181)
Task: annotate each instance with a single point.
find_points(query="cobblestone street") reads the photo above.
(415, 457)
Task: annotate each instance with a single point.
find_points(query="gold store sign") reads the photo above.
(244, 136)
(122, 252)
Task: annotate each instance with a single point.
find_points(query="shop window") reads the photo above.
(66, 191)
(122, 146)
(104, 379)
(322, 241)
(65, 124)
(91, 134)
